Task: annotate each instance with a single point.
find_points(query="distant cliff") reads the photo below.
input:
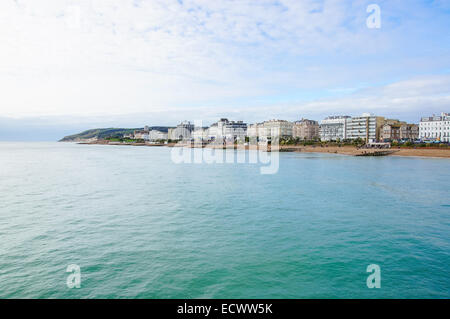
(97, 133)
(101, 133)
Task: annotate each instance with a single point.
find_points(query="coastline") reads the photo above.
(353, 151)
(342, 150)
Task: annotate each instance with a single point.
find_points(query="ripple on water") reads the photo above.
(140, 226)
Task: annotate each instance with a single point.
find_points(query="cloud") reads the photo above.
(407, 100)
(83, 58)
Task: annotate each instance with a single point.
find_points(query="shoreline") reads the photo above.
(397, 152)
(342, 150)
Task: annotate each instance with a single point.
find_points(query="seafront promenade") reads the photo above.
(342, 150)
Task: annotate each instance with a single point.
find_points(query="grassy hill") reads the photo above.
(99, 133)
(102, 133)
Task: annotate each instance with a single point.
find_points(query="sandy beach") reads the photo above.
(353, 151)
(343, 150)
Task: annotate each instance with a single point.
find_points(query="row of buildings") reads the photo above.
(367, 127)
(435, 127)
(148, 134)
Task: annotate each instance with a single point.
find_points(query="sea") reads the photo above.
(103, 221)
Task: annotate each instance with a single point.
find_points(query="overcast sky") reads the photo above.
(70, 65)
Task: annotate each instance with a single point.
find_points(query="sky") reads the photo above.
(67, 66)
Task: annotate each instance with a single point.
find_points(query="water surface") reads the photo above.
(140, 226)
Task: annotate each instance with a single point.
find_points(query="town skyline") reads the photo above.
(367, 127)
(53, 128)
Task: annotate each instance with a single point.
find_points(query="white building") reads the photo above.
(278, 128)
(200, 134)
(183, 131)
(334, 128)
(171, 133)
(227, 130)
(435, 128)
(141, 135)
(269, 129)
(367, 127)
(259, 131)
(155, 135)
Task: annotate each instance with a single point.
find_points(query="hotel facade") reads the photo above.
(269, 129)
(436, 128)
(227, 130)
(399, 131)
(366, 127)
(306, 130)
(183, 131)
(334, 128)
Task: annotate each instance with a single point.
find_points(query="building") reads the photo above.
(390, 132)
(258, 131)
(367, 127)
(394, 130)
(435, 128)
(393, 121)
(409, 132)
(129, 135)
(171, 133)
(267, 130)
(155, 135)
(200, 134)
(227, 130)
(306, 130)
(183, 131)
(334, 128)
(235, 130)
(253, 129)
(141, 135)
(278, 128)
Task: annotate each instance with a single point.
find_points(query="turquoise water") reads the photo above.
(140, 226)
